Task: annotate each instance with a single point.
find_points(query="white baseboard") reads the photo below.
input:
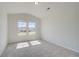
(77, 51)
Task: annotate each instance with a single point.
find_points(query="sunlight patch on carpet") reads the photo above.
(35, 42)
(22, 45)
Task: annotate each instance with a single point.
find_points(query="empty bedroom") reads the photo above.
(39, 29)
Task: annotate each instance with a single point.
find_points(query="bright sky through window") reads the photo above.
(21, 24)
(32, 25)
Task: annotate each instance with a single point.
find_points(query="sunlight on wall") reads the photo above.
(22, 34)
(32, 33)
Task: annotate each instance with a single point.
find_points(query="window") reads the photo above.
(21, 27)
(32, 26)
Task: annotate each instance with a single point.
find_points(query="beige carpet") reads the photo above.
(37, 49)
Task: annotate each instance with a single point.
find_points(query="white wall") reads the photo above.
(61, 26)
(3, 30)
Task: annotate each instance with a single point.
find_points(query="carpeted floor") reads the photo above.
(40, 49)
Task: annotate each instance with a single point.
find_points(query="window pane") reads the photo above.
(32, 25)
(21, 24)
(32, 33)
(21, 27)
(21, 34)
